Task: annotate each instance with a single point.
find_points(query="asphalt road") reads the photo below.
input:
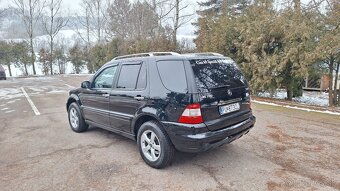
(287, 150)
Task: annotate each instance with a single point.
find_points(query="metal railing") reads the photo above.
(166, 54)
(147, 55)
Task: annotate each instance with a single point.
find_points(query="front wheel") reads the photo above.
(154, 145)
(76, 119)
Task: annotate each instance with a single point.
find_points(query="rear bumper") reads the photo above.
(197, 138)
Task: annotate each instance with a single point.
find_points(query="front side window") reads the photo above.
(105, 78)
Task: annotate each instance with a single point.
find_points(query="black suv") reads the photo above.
(166, 102)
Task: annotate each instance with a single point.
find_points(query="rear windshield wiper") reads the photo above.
(223, 86)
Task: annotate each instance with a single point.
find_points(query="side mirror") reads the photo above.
(85, 85)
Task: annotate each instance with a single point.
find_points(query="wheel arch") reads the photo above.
(140, 120)
(71, 99)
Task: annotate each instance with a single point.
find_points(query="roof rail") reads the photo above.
(146, 55)
(204, 54)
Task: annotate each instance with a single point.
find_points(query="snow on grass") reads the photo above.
(308, 97)
(297, 108)
(313, 98)
(17, 71)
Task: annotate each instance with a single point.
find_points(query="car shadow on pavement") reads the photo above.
(212, 156)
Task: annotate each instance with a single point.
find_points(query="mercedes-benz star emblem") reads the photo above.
(230, 93)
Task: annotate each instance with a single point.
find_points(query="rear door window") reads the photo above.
(128, 76)
(173, 76)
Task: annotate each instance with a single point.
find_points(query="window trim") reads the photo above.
(146, 78)
(101, 71)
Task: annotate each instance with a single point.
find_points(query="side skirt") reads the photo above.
(119, 132)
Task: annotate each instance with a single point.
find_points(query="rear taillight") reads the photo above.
(191, 114)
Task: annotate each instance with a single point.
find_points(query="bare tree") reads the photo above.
(162, 8)
(92, 17)
(143, 21)
(119, 14)
(30, 12)
(97, 14)
(180, 18)
(83, 21)
(52, 24)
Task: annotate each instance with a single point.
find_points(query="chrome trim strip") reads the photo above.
(111, 113)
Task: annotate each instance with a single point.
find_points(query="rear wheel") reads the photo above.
(154, 145)
(75, 118)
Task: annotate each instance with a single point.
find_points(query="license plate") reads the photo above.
(229, 108)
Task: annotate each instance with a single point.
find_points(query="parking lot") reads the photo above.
(286, 150)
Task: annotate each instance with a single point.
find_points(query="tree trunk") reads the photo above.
(174, 37)
(9, 69)
(32, 54)
(331, 91)
(59, 66)
(290, 90)
(26, 72)
(336, 91)
(51, 55)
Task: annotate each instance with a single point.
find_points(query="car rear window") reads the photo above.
(216, 73)
(173, 76)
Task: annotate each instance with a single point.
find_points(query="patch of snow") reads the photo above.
(13, 101)
(3, 109)
(10, 111)
(10, 93)
(17, 71)
(297, 108)
(36, 89)
(313, 98)
(56, 91)
(308, 97)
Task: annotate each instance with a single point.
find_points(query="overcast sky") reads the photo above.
(72, 7)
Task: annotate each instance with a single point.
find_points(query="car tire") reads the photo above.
(75, 118)
(154, 145)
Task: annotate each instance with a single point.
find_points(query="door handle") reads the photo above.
(138, 97)
(106, 95)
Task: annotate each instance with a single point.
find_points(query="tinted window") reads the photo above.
(216, 73)
(141, 84)
(128, 76)
(173, 75)
(105, 78)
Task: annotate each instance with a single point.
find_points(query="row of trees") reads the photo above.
(18, 54)
(110, 28)
(277, 46)
(120, 25)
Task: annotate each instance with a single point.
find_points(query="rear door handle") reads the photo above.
(138, 97)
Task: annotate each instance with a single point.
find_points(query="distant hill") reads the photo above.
(12, 26)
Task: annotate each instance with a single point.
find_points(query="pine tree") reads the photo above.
(76, 58)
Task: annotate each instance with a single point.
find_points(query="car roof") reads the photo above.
(165, 56)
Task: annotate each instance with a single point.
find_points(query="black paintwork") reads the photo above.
(122, 110)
